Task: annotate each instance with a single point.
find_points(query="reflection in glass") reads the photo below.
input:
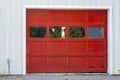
(57, 32)
(76, 32)
(95, 32)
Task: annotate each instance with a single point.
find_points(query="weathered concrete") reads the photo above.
(62, 76)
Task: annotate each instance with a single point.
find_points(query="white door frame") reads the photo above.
(109, 32)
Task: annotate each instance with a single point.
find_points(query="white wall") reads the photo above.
(11, 30)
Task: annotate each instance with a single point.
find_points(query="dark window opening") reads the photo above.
(37, 32)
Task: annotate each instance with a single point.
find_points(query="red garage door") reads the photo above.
(66, 40)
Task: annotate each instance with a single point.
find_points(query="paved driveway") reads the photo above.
(62, 76)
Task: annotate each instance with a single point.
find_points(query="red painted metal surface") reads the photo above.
(68, 54)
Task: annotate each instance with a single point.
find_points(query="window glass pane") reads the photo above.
(57, 32)
(76, 32)
(37, 32)
(95, 32)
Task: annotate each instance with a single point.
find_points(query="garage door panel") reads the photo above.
(57, 61)
(96, 47)
(38, 17)
(75, 62)
(38, 47)
(76, 47)
(76, 16)
(96, 17)
(57, 47)
(36, 62)
(96, 62)
(57, 16)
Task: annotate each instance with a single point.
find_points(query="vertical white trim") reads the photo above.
(109, 26)
(110, 43)
(24, 42)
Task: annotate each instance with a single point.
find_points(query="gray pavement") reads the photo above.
(62, 76)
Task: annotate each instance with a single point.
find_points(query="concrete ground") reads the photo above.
(62, 76)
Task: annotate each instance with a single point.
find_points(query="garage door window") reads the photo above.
(57, 32)
(95, 32)
(76, 32)
(37, 32)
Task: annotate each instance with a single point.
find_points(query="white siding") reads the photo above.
(11, 29)
(116, 29)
